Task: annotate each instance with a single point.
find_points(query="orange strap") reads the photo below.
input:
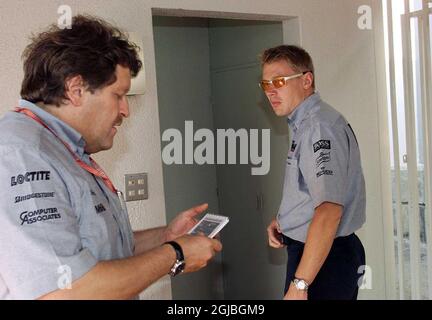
(96, 170)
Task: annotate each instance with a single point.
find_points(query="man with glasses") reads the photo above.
(323, 200)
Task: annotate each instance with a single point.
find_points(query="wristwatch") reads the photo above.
(179, 264)
(300, 284)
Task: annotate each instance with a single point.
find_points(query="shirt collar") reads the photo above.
(303, 110)
(65, 132)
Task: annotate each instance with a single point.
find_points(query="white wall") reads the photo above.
(345, 67)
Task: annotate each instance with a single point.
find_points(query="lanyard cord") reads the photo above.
(96, 170)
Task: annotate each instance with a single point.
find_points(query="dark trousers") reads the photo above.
(338, 278)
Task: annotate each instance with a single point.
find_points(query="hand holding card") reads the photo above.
(209, 225)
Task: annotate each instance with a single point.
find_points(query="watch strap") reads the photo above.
(179, 264)
(178, 250)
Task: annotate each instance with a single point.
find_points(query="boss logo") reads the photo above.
(322, 144)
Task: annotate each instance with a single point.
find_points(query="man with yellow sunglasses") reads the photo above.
(323, 200)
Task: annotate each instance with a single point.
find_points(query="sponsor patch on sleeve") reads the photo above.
(322, 158)
(321, 144)
(324, 172)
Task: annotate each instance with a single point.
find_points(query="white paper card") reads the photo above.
(209, 225)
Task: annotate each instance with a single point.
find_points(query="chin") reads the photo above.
(106, 147)
(280, 113)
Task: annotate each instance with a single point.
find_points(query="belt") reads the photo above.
(289, 241)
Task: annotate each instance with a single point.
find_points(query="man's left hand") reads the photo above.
(295, 294)
(183, 222)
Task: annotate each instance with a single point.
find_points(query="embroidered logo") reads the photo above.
(100, 208)
(323, 158)
(34, 195)
(322, 144)
(30, 176)
(38, 215)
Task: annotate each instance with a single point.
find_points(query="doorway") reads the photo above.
(207, 72)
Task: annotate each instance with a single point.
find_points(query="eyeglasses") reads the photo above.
(278, 82)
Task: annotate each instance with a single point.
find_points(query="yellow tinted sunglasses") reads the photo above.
(279, 81)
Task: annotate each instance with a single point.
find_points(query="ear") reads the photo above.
(308, 80)
(74, 90)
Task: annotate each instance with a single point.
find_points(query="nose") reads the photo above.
(271, 92)
(124, 107)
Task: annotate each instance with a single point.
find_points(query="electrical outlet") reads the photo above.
(136, 187)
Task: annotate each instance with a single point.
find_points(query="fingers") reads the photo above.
(192, 212)
(274, 243)
(198, 251)
(217, 245)
(273, 231)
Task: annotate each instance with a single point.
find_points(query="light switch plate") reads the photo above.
(136, 187)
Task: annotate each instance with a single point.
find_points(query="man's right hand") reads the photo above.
(274, 235)
(198, 250)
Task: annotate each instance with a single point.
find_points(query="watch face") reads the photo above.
(181, 267)
(301, 285)
(178, 267)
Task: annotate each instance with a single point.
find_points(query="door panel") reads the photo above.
(252, 270)
(183, 79)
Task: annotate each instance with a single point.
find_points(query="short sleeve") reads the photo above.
(40, 244)
(323, 163)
